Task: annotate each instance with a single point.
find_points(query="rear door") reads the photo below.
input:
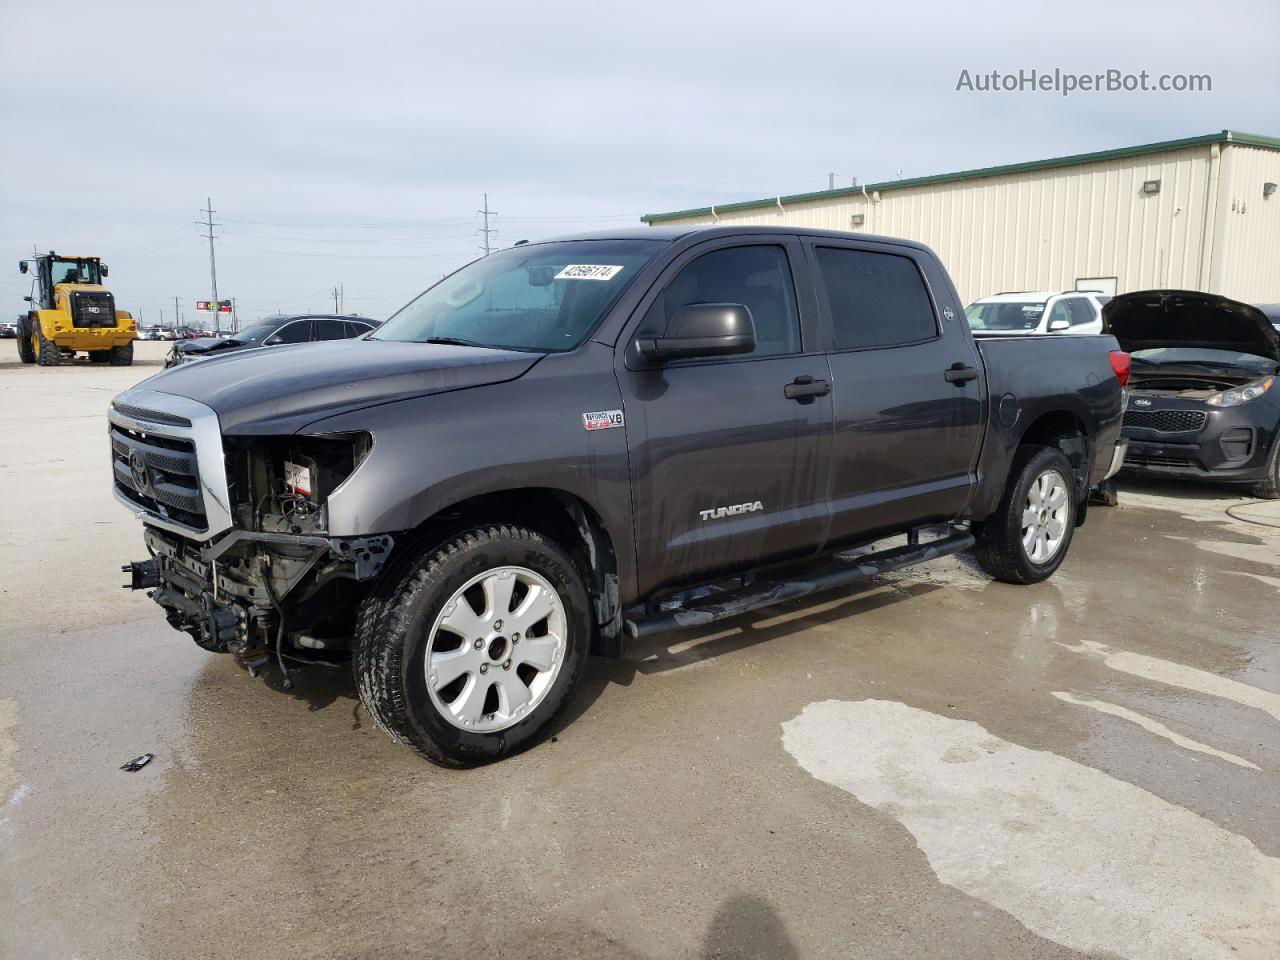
(728, 471)
(908, 389)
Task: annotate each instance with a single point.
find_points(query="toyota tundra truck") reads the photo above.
(568, 445)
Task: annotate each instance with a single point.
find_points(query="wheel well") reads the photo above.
(1064, 430)
(564, 518)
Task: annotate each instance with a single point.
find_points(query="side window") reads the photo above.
(296, 332)
(1081, 311)
(758, 277)
(1061, 311)
(877, 299)
(327, 329)
(356, 329)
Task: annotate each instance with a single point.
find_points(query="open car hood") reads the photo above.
(1148, 319)
(205, 344)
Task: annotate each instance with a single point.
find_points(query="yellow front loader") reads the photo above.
(71, 311)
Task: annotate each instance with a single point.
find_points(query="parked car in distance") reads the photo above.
(1072, 311)
(276, 330)
(569, 442)
(1205, 389)
(8, 331)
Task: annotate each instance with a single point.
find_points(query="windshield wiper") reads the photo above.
(454, 341)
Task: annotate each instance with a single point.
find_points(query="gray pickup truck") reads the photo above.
(568, 444)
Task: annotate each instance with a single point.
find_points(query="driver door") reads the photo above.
(727, 470)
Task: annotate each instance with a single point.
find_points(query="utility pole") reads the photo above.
(235, 316)
(177, 313)
(339, 294)
(486, 229)
(208, 212)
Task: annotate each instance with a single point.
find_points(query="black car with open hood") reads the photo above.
(1205, 390)
(276, 330)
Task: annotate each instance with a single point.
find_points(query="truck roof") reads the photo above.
(709, 231)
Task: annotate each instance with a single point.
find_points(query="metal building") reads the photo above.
(1202, 213)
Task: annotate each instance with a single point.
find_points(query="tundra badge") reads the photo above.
(737, 509)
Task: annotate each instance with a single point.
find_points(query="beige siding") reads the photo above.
(1044, 229)
(1247, 261)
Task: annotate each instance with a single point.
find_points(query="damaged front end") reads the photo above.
(241, 557)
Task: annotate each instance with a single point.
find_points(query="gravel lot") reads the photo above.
(933, 764)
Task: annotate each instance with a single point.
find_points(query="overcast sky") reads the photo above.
(352, 142)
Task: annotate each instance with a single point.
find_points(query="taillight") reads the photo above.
(1121, 366)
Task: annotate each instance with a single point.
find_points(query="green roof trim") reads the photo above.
(1226, 136)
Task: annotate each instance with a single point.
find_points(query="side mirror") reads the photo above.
(22, 266)
(1057, 326)
(28, 299)
(103, 268)
(702, 330)
(272, 340)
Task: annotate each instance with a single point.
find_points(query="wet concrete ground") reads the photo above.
(933, 764)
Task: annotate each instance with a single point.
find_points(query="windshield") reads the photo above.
(256, 332)
(547, 297)
(1015, 316)
(73, 271)
(1204, 357)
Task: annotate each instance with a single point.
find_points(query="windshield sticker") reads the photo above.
(588, 271)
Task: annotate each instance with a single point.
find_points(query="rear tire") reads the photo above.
(1006, 547)
(48, 353)
(1269, 489)
(480, 714)
(122, 356)
(26, 349)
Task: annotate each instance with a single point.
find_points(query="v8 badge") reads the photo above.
(602, 420)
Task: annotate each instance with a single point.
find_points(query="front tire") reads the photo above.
(1026, 539)
(467, 650)
(1106, 494)
(48, 353)
(1269, 489)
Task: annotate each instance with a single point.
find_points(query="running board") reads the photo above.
(842, 570)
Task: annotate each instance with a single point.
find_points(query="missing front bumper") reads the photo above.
(237, 592)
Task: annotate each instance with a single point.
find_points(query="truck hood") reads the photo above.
(1149, 319)
(282, 390)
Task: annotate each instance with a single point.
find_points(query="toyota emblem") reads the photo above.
(138, 471)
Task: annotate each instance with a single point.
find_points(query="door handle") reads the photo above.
(806, 389)
(958, 374)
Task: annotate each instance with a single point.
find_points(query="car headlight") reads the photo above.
(1238, 395)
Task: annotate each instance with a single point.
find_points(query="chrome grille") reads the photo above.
(1166, 421)
(159, 474)
(167, 462)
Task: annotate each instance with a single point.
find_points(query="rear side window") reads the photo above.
(327, 329)
(758, 277)
(877, 299)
